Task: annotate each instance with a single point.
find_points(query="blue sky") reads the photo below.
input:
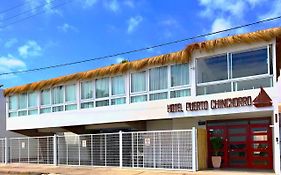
(83, 29)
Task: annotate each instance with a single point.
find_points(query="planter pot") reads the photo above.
(216, 161)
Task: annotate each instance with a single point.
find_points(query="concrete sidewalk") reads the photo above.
(34, 169)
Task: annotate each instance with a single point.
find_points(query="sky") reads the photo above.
(73, 30)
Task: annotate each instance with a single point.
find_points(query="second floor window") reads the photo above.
(102, 88)
(57, 95)
(158, 78)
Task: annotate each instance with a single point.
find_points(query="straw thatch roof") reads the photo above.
(182, 56)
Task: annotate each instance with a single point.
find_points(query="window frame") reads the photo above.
(141, 93)
(233, 81)
(89, 100)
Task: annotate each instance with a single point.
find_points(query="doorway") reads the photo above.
(247, 143)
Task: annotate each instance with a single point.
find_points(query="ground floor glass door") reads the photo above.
(247, 143)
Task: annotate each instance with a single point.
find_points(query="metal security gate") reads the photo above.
(148, 149)
(175, 149)
(163, 149)
(31, 150)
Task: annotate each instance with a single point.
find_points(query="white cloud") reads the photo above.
(67, 27)
(231, 7)
(49, 8)
(112, 5)
(30, 49)
(254, 3)
(129, 3)
(133, 23)
(88, 3)
(224, 14)
(274, 11)
(220, 24)
(11, 42)
(119, 59)
(9, 64)
(35, 5)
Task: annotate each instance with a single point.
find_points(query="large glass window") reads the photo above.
(70, 93)
(45, 97)
(87, 90)
(212, 69)
(13, 102)
(249, 63)
(22, 101)
(57, 95)
(158, 78)
(179, 75)
(138, 82)
(32, 100)
(102, 88)
(240, 71)
(118, 85)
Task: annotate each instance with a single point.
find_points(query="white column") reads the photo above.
(55, 151)
(194, 158)
(120, 150)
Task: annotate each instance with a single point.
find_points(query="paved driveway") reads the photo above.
(34, 169)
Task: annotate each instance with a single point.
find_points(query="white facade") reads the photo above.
(155, 114)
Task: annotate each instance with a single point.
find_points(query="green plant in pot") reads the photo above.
(217, 144)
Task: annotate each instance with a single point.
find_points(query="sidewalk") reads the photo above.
(34, 169)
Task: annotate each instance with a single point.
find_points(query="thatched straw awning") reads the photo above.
(182, 56)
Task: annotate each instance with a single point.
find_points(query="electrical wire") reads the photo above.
(142, 49)
(35, 14)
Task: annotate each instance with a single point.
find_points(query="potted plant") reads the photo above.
(216, 143)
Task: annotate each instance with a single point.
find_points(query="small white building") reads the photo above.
(228, 86)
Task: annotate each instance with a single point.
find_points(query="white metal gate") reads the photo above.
(31, 150)
(147, 149)
(174, 149)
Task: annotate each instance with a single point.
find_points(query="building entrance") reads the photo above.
(247, 143)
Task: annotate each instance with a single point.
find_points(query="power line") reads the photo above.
(35, 14)
(27, 11)
(142, 49)
(11, 8)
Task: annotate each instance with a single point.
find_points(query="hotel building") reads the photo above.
(228, 87)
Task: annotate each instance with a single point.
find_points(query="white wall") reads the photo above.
(133, 112)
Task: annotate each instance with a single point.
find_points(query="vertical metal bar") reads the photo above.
(172, 149)
(154, 150)
(193, 149)
(66, 146)
(92, 161)
(6, 150)
(178, 140)
(55, 149)
(105, 151)
(120, 149)
(48, 150)
(38, 150)
(133, 157)
(160, 148)
(28, 156)
(137, 149)
(79, 150)
(19, 149)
